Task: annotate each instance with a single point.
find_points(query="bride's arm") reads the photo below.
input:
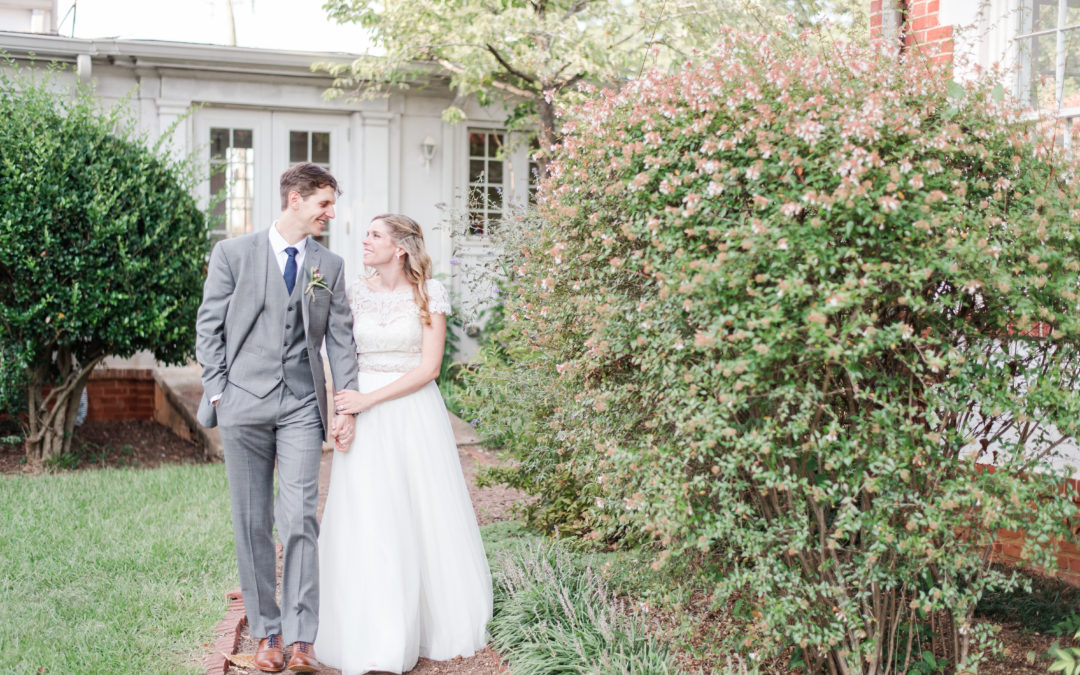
(431, 353)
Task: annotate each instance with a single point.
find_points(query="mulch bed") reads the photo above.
(140, 444)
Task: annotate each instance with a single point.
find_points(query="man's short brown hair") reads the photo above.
(304, 179)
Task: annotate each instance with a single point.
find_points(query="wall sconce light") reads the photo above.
(427, 151)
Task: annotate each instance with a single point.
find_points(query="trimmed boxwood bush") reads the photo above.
(775, 307)
(102, 249)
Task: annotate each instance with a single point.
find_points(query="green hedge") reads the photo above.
(102, 248)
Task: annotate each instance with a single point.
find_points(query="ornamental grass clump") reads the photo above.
(778, 305)
(552, 616)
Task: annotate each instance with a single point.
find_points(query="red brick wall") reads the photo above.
(120, 394)
(1009, 544)
(920, 27)
(875, 18)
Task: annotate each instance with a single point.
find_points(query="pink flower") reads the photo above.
(888, 203)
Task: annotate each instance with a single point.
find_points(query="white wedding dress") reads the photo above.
(402, 568)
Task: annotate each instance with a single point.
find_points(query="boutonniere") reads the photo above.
(315, 280)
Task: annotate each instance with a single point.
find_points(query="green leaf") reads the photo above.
(99, 234)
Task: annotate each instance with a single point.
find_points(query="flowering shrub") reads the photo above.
(778, 304)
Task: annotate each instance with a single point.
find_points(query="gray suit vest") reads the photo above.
(281, 317)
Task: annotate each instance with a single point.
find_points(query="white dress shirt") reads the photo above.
(278, 246)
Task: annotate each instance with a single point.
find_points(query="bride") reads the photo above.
(402, 568)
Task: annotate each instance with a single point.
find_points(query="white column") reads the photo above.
(170, 113)
(369, 135)
(377, 161)
(448, 155)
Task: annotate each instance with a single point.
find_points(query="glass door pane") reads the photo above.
(319, 139)
(234, 145)
(232, 181)
(314, 147)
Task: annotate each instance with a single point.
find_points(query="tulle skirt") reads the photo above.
(402, 569)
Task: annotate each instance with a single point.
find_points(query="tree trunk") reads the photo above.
(51, 416)
(548, 135)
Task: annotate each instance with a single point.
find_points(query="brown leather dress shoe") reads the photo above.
(269, 657)
(303, 658)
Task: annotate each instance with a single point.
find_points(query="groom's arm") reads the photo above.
(340, 346)
(210, 323)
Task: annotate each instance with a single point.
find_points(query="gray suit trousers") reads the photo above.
(255, 433)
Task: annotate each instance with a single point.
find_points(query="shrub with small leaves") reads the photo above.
(102, 249)
(778, 305)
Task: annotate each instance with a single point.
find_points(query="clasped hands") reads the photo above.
(346, 404)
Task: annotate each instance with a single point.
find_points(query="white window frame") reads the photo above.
(1068, 116)
(259, 124)
(338, 127)
(515, 166)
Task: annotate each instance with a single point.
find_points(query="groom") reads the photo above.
(270, 300)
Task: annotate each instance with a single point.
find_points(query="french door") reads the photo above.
(246, 152)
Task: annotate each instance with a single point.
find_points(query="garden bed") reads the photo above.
(140, 443)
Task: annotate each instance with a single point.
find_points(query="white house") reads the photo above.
(28, 16)
(248, 114)
(1035, 43)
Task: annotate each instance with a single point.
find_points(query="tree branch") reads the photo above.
(574, 9)
(510, 69)
(503, 86)
(569, 83)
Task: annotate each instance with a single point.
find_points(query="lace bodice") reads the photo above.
(386, 325)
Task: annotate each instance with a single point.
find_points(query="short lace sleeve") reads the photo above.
(438, 298)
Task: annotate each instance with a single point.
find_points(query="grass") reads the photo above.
(113, 571)
(628, 572)
(556, 612)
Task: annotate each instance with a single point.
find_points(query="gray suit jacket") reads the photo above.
(228, 349)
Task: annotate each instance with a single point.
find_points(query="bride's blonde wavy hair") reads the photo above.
(406, 234)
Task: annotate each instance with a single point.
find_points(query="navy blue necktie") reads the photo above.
(290, 268)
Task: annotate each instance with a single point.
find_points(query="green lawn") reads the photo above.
(124, 570)
(113, 571)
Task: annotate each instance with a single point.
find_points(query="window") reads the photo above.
(314, 147)
(232, 179)
(310, 146)
(487, 171)
(534, 170)
(1049, 74)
